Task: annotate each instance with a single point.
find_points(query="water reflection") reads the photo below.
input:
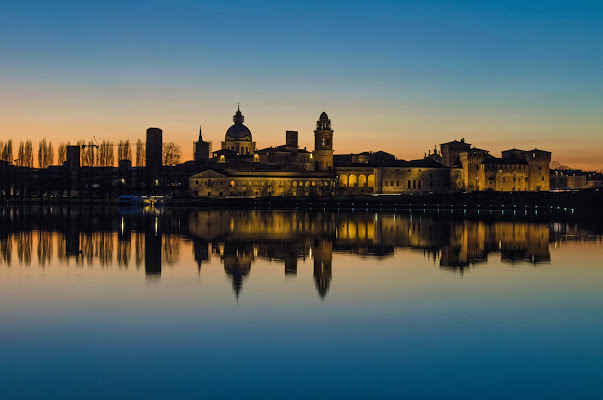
(102, 237)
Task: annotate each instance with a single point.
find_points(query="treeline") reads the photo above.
(92, 154)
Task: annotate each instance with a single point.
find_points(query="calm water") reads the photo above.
(261, 304)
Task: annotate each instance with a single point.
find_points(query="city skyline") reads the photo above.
(500, 75)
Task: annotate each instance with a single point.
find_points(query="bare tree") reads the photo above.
(171, 154)
(124, 152)
(105, 154)
(88, 154)
(6, 151)
(127, 155)
(109, 158)
(21, 155)
(62, 153)
(102, 154)
(49, 154)
(45, 154)
(140, 153)
(28, 159)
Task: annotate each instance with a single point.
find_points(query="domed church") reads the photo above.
(238, 136)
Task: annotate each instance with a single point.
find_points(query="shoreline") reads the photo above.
(589, 202)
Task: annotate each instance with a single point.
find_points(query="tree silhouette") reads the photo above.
(6, 150)
(45, 154)
(105, 154)
(28, 160)
(124, 151)
(171, 154)
(140, 153)
(21, 155)
(88, 154)
(62, 153)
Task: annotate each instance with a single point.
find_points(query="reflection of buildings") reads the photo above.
(323, 256)
(237, 257)
(472, 241)
(240, 238)
(201, 252)
(152, 248)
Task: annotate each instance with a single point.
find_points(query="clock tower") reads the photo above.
(323, 144)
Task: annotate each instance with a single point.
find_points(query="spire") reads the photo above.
(238, 117)
(200, 134)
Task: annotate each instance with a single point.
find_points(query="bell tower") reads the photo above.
(323, 143)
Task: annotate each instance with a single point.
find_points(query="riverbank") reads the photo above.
(583, 202)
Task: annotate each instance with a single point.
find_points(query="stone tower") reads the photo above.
(323, 144)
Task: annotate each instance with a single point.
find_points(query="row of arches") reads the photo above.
(353, 180)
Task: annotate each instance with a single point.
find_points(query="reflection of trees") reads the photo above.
(62, 251)
(44, 248)
(104, 248)
(87, 248)
(139, 249)
(171, 249)
(123, 252)
(6, 249)
(24, 245)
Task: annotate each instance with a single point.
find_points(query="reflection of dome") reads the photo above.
(238, 131)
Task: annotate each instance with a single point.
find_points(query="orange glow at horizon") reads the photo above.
(407, 131)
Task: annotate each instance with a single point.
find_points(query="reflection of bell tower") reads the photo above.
(201, 252)
(323, 256)
(323, 144)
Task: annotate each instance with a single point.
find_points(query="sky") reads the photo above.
(399, 76)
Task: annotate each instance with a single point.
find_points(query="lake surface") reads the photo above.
(111, 303)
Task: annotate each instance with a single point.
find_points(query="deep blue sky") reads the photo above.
(400, 76)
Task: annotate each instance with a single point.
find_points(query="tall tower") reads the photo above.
(201, 149)
(323, 143)
(154, 148)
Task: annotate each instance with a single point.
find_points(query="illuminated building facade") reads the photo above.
(241, 170)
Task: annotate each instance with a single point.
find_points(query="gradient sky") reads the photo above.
(399, 76)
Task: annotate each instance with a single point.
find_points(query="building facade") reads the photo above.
(241, 170)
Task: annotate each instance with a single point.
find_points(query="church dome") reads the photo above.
(324, 116)
(238, 131)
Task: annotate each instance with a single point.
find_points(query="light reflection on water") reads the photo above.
(297, 304)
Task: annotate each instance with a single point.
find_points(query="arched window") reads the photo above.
(352, 181)
(409, 184)
(371, 181)
(419, 184)
(361, 180)
(343, 180)
(414, 184)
